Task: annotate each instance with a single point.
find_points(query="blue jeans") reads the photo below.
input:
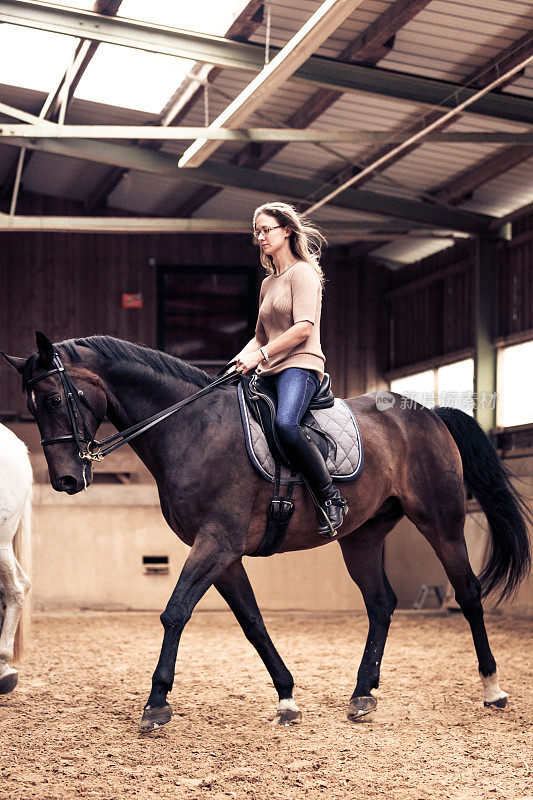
(295, 387)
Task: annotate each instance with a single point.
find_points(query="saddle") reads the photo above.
(262, 401)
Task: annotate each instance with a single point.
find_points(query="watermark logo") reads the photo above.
(384, 400)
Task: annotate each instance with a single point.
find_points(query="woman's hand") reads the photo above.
(248, 361)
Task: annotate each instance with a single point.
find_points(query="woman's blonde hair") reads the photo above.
(305, 240)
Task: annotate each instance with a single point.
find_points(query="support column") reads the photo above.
(486, 290)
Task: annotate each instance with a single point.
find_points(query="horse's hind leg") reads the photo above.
(15, 584)
(236, 590)
(445, 534)
(363, 555)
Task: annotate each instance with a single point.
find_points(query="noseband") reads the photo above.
(88, 448)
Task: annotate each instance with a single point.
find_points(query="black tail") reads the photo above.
(488, 479)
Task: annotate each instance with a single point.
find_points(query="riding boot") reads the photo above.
(306, 458)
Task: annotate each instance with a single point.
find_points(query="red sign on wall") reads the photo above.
(132, 300)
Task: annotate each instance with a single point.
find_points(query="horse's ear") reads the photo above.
(18, 363)
(45, 348)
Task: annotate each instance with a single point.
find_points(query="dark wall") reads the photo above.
(71, 285)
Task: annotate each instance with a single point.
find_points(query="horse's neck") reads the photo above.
(133, 397)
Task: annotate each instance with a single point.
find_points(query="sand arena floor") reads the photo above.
(69, 730)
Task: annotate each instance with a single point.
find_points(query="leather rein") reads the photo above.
(88, 448)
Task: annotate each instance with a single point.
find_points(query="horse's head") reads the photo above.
(68, 407)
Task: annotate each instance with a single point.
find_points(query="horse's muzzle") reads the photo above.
(68, 484)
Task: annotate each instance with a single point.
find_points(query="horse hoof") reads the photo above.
(288, 713)
(501, 702)
(287, 717)
(153, 718)
(360, 707)
(8, 680)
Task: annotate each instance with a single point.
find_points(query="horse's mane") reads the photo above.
(118, 349)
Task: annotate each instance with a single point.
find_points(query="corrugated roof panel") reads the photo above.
(523, 85)
(486, 28)
(434, 163)
(156, 195)
(505, 193)
(406, 251)
(60, 176)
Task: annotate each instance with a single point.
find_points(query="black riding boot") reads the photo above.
(306, 458)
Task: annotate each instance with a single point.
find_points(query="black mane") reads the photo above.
(163, 363)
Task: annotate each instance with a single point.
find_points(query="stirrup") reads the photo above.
(331, 532)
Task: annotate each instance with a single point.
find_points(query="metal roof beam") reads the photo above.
(143, 225)
(283, 135)
(224, 52)
(319, 27)
(225, 175)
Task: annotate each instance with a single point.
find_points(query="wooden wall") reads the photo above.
(70, 285)
(516, 283)
(430, 308)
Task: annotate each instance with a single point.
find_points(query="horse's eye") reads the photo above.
(54, 400)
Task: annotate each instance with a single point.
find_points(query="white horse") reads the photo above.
(15, 551)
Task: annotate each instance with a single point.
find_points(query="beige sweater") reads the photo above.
(294, 296)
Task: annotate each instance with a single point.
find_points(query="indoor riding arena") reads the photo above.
(136, 141)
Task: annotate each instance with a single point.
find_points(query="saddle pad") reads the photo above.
(345, 461)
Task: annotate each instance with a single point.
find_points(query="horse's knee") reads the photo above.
(174, 619)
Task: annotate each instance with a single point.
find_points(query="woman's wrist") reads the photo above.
(264, 354)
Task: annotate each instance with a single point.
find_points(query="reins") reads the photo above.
(88, 448)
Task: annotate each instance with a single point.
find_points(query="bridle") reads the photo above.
(88, 448)
(74, 397)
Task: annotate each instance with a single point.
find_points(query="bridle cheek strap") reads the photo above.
(73, 397)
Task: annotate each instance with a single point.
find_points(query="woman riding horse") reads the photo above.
(286, 347)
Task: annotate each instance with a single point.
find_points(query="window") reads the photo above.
(452, 385)
(419, 387)
(515, 385)
(455, 384)
(204, 315)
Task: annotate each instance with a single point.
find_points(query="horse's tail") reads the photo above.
(488, 479)
(22, 552)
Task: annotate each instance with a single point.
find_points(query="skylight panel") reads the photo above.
(33, 59)
(120, 76)
(129, 78)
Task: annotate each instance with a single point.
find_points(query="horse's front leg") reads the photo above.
(15, 584)
(209, 558)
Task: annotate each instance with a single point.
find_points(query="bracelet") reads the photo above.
(264, 354)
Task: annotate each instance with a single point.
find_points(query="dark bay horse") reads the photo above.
(215, 502)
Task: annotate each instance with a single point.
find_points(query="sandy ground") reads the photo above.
(69, 730)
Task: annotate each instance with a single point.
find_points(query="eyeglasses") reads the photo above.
(265, 231)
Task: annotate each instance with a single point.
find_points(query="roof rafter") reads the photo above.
(147, 160)
(463, 185)
(503, 63)
(368, 47)
(319, 27)
(61, 95)
(46, 130)
(243, 26)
